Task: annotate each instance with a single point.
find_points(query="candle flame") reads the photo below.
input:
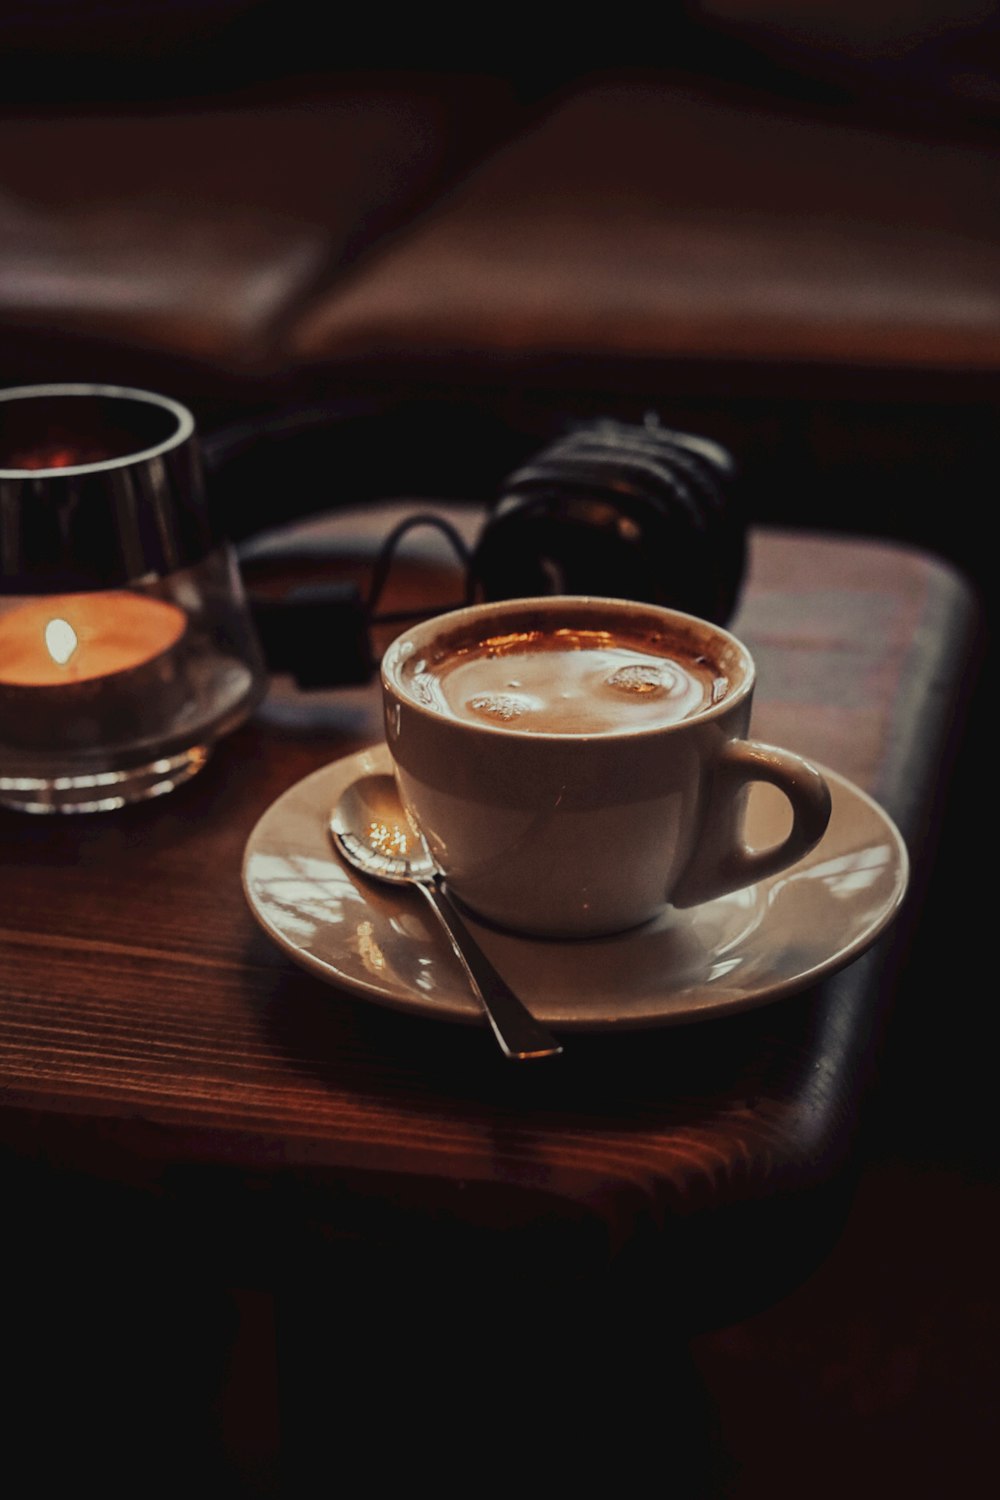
(61, 641)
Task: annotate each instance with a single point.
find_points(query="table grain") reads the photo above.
(161, 1058)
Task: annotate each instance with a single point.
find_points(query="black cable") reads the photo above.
(384, 560)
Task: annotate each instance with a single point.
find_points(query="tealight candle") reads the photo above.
(57, 640)
(78, 669)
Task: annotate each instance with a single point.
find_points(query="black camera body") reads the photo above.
(621, 510)
(627, 511)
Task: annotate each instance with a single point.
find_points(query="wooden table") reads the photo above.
(177, 1094)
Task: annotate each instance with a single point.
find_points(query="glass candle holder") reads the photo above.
(126, 645)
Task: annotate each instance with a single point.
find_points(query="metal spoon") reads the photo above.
(370, 828)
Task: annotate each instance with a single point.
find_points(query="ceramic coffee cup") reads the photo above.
(578, 763)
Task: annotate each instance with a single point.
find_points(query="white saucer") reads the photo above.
(731, 954)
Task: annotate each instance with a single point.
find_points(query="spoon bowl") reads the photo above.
(373, 832)
(371, 828)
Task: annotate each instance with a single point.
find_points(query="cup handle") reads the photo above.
(721, 861)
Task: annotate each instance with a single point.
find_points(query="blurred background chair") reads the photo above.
(773, 223)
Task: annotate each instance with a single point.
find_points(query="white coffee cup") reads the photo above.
(562, 803)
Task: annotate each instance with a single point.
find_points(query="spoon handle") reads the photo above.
(521, 1037)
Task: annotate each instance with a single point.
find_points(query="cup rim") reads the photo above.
(393, 659)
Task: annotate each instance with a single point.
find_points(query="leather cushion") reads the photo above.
(195, 232)
(641, 221)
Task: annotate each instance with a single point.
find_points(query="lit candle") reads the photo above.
(78, 669)
(118, 691)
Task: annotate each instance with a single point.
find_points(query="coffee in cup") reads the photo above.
(577, 763)
(567, 680)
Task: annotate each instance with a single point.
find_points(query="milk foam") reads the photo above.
(565, 682)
